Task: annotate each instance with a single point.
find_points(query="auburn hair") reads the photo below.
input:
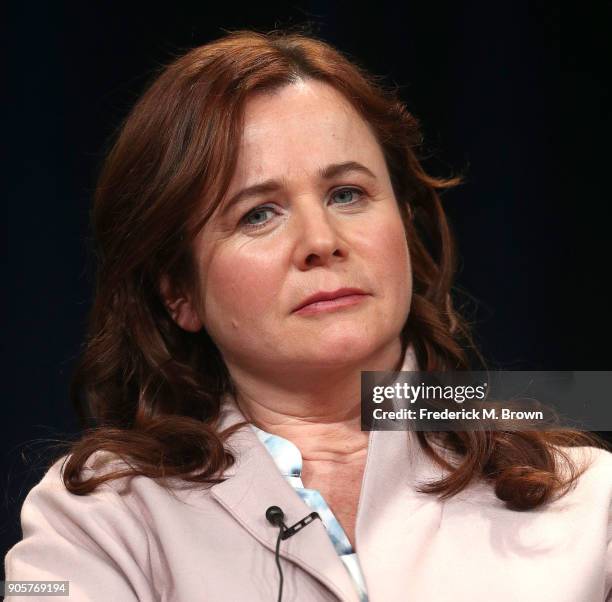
(150, 392)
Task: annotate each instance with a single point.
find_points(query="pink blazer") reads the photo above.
(134, 540)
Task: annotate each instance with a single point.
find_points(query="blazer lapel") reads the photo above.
(395, 522)
(254, 484)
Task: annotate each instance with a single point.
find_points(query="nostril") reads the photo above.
(316, 257)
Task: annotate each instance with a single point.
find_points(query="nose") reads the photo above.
(318, 240)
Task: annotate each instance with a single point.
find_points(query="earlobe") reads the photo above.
(180, 306)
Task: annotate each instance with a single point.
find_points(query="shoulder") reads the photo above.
(593, 494)
(95, 541)
(592, 465)
(125, 500)
(587, 473)
(49, 504)
(120, 492)
(98, 464)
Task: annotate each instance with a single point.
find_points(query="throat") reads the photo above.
(340, 485)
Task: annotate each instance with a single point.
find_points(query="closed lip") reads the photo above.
(327, 296)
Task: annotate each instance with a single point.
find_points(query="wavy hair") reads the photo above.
(150, 392)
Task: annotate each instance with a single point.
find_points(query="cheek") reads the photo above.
(239, 287)
(388, 249)
(390, 257)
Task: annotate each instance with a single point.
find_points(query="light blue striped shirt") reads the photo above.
(288, 458)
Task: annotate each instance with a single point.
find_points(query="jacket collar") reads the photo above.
(254, 483)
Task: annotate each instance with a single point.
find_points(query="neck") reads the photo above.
(322, 417)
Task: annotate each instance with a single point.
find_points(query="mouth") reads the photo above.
(326, 301)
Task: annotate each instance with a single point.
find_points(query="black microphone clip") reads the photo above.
(276, 517)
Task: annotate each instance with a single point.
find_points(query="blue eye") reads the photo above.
(347, 195)
(256, 218)
(257, 213)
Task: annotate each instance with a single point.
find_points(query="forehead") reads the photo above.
(301, 128)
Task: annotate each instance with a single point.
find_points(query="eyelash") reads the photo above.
(243, 219)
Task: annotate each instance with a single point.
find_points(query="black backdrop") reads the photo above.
(499, 100)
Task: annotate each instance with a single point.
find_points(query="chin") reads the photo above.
(342, 349)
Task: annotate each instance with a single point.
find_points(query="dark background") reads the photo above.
(500, 100)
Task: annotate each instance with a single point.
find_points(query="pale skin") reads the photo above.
(298, 376)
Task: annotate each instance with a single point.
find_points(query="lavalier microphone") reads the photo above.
(275, 516)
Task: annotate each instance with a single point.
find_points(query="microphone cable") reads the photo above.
(278, 564)
(276, 517)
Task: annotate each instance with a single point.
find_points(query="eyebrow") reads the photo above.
(329, 172)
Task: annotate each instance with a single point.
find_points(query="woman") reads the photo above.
(265, 232)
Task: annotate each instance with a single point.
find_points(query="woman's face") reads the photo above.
(313, 210)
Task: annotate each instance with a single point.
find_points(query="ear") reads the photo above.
(180, 306)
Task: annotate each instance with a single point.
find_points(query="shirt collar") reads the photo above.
(285, 454)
